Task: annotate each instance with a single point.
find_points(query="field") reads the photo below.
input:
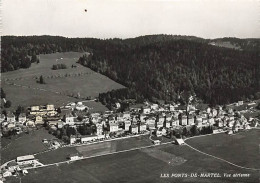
(62, 86)
(147, 165)
(241, 148)
(27, 144)
(93, 149)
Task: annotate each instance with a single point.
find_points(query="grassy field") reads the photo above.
(138, 166)
(241, 148)
(62, 86)
(27, 144)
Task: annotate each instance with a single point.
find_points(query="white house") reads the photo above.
(134, 128)
(10, 118)
(99, 128)
(69, 119)
(38, 120)
(113, 126)
(80, 106)
(22, 118)
(142, 127)
(146, 110)
(127, 124)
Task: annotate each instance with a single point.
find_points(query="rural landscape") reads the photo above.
(119, 91)
(79, 119)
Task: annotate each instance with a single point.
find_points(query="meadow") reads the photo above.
(62, 86)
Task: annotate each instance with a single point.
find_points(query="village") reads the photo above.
(73, 125)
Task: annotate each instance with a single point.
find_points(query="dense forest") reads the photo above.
(162, 70)
(154, 67)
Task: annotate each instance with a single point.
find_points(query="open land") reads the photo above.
(147, 165)
(102, 148)
(62, 86)
(26, 144)
(241, 148)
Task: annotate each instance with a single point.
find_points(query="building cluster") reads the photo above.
(36, 115)
(147, 117)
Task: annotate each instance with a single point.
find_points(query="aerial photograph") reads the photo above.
(130, 91)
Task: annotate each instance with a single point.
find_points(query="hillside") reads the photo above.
(163, 69)
(154, 66)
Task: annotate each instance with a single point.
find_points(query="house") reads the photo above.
(157, 142)
(198, 121)
(73, 139)
(88, 138)
(175, 122)
(134, 129)
(127, 124)
(168, 123)
(154, 107)
(10, 118)
(168, 116)
(38, 120)
(211, 121)
(74, 157)
(208, 110)
(30, 123)
(69, 119)
(150, 121)
(22, 118)
(50, 107)
(160, 120)
(80, 107)
(179, 142)
(191, 120)
(142, 117)
(120, 117)
(35, 108)
(183, 120)
(99, 128)
(146, 110)
(2, 118)
(214, 112)
(142, 127)
(10, 125)
(117, 105)
(113, 126)
(126, 115)
(171, 108)
(159, 133)
(25, 160)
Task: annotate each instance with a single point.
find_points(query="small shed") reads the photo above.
(179, 142)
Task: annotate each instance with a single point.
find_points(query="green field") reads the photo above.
(146, 165)
(62, 86)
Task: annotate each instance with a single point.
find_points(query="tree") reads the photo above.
(194, 130)
(2, 93)
(8, 104)
(41, 81)
(19, 110)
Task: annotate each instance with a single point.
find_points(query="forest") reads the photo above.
(154, 67)
(163, 70)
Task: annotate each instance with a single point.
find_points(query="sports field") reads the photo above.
(62, 86)
(147, 165)
(94, 149)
